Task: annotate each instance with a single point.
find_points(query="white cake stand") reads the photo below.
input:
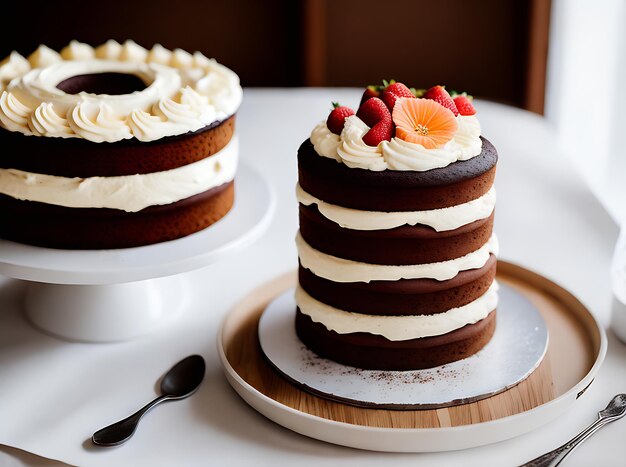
(113, 295)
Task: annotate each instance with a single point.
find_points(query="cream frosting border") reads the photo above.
(443, 219)
(344, 270)
(397, 328)
(349, 148)
(130, 193)
(185, 92)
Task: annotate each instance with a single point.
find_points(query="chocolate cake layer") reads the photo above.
(384, 247)
(361, 298)
(393, 190)
(372, 352)
(93, 228)
(77, 157)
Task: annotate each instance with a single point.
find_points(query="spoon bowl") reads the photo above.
(184, 378)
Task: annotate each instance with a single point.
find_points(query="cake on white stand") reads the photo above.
(112, 295)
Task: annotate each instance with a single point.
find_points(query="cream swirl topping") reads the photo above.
(46, 121)
(77, 51)
(397, 154)
(133, 52)
(181, 59)
(402, 155)
(14, 115)
(11, 67)
(184, 93)
(130, 193)
(344, 270)
(398, 328)
(145, 126)
(443, 219)
(97, 122)
(110, 50)
(159, 54)
(354, 152)
(468, 136)
(325, 141)
(44, 56)
(177, 113)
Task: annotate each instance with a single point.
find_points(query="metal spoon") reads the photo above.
(614, 411)
(180, 382)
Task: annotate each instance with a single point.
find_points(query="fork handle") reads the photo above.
(555, 457)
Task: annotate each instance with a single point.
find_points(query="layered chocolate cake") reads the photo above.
(396, 250)
(115, 146)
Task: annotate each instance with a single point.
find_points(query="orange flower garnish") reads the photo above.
(423, 121)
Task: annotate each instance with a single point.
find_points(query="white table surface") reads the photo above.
(546, 220)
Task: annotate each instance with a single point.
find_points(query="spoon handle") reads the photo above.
(119, 432)
(554, 458)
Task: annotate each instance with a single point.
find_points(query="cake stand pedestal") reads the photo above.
(113, 295)
(102, 313)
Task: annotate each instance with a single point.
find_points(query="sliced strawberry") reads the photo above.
(382, 131)
(337, 117)
(441, 96)
(373, 111)
(464, 104)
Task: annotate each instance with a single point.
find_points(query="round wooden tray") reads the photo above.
(575, 352)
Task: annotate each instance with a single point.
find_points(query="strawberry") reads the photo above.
(393, 92)
(370, 91)
(376, 115)
(441, 96)
(373, 111)
(399, 90)
(463, 103)
(389, 98)
(382, 131)
(337, 117)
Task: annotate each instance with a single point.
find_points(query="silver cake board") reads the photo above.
(517, 348)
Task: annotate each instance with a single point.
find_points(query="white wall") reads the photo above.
(586, 93)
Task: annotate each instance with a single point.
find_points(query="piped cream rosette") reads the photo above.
(184, 92)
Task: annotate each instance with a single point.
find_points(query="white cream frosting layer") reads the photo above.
(345, 270)
(396, 154)
(354, 152)
(398, 328)
(443, 219)
(129, 193)
(325, 141)
(184, 93)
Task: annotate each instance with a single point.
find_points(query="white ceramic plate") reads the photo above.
(411, 439)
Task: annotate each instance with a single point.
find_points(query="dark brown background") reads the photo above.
(491, 48)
